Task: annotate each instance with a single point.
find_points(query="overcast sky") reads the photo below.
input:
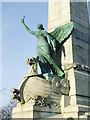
(17, 43)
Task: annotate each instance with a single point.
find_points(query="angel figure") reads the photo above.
(47, 46)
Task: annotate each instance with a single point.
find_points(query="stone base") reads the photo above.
(77, 112)
(28, 111)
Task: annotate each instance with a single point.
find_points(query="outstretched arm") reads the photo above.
(25, 26)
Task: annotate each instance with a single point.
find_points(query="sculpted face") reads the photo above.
(40, 26)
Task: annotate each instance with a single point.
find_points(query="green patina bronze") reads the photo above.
(47, 46)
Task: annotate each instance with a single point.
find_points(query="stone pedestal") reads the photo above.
(28, 111)
(37, 97)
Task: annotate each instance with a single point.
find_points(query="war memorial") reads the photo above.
(62, 88)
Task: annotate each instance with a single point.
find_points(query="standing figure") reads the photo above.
(47, 44)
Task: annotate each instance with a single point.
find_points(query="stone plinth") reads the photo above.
(38, 97)
(28, 111)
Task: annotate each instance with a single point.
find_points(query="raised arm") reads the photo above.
(25, 26)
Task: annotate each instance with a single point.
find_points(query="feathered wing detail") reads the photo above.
(62, 32)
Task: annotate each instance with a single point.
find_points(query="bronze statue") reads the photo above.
(47, 46)
(54, 82)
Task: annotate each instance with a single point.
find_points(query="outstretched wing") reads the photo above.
(62, 32)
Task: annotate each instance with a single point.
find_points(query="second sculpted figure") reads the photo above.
(47, 46)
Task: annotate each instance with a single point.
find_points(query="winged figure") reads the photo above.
(47, 46)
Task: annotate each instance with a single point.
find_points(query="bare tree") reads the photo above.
(6, 112)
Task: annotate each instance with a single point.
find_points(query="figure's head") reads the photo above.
(40, 26)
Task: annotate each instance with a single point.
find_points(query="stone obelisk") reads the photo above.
(75, 58)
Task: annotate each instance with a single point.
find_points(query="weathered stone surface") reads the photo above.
(63, 13)
(80, 55)
(82, 89)
(80, 21)
(76, 50)
(81, 7)
(37, 86)
(79, 35)
(78, 42)
(86, 101)
(27, 111)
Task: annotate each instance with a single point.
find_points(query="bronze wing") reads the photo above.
(62, 32)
